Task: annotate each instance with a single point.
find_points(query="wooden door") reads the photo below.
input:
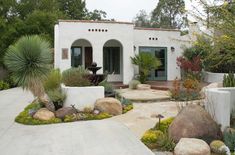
(88, 56)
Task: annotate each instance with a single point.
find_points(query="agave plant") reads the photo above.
(29, 60)
(146, 63)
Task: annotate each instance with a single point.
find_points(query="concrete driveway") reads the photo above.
(104, 137)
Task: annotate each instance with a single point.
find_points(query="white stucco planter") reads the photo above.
(82, 97)
(220, 102)
(213, 77)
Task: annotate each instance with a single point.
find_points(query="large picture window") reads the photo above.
(161, 54)
(76, 56)
(111, 60)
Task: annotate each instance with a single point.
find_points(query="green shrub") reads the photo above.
(25, 118)
(76, 77)
(229, 138)
(107, 86)
(53, 80)
(86, 116)
(229, 80)
(127, 108)
(151, 137)
(4, 85)
(9, 79)
(164, 125)
(70, 118)
(57, 96)
(166, 143)
(146, 63)
(133, 84)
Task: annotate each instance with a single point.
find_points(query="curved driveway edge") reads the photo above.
(103, 137)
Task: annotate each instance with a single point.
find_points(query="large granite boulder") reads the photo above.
(62, 112)
(194, 122)
(192, 146)
(109, 105)
(44, 114)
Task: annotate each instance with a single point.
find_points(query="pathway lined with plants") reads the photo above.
(141, 118)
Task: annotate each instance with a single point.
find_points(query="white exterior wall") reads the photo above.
(220, 103)
(67, 32)
(166, 39)
(72, 31)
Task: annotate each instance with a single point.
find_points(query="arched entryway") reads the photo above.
(113, 60)
(81, 53)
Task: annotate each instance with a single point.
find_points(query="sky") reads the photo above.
(125, 10)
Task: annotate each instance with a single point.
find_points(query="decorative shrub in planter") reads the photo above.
(78, 88)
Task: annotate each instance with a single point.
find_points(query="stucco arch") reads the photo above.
(113, 59)
(81, 51)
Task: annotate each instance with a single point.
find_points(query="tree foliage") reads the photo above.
(30, 17)
(142, 19)
(169, 14)
(220, 19)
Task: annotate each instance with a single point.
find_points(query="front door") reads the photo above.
(161, 54)
(112, 63)
(88, 56)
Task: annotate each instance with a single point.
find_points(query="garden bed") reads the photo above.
(26, 116)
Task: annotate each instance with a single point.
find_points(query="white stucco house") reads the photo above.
(111, 44)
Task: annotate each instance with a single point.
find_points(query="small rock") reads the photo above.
(32, 112)
(109, 105)
(44, 114)
(192, 146)
(62, 112)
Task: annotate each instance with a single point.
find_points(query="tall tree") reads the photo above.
(27, 17)
(73, 9)
(142, 19)
(169, 14)
(96, 15)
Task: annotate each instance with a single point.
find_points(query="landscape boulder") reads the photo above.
(62, 112)
(192, 146)
(48, 104)
(44, 114)
(109, 105)
(194, 122)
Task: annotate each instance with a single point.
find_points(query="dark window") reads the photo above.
(76, 56)
(112, 60)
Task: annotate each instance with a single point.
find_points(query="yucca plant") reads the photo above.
(146, 63)
(29, 60)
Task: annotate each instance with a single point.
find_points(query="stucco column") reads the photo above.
(128, 68)
(98, 56)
